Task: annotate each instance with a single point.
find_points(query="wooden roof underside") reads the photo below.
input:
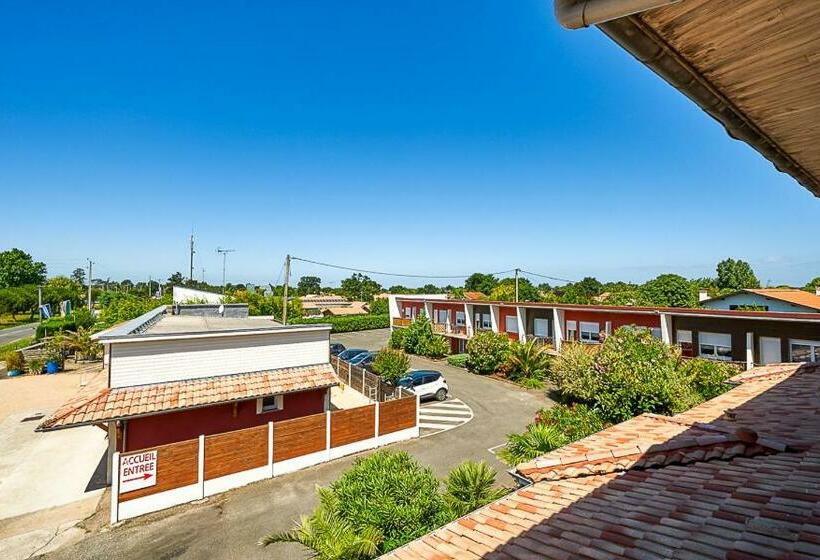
(754, 65)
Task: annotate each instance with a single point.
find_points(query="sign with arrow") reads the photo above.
(138, 470)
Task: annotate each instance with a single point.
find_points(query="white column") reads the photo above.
(666, 328)
(393, 309)
(494, 318)
(558, 327)
(522, 323)
(468, 319)
(750, 350)
(115, 488)
(428, 309)
(201, 467)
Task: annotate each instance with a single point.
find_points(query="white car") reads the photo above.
(426, 384)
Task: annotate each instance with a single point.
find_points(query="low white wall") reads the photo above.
(184, 295)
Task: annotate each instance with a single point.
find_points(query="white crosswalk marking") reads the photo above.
(439, 417)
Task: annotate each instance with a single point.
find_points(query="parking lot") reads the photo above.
(227, 526)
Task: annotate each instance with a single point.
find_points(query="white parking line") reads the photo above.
(443, 416)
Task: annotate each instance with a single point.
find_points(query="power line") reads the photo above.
(351, 269)
(546, 276)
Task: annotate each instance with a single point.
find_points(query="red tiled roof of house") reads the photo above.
(789, 295)
(99, 403)
(737, 477)
(474, 295)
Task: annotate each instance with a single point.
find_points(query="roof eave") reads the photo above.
(644, 44)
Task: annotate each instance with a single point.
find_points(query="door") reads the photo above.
(770, 350)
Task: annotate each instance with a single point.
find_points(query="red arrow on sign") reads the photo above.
(145, 476)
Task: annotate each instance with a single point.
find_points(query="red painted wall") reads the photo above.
(503, 313)
(453, 307)
(405, 305)
(618, 319)
(150, 431)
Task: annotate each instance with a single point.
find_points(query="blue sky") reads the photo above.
(427, 137)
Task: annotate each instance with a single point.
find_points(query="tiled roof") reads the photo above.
(737, 477)
(99, 403)
(789, 295)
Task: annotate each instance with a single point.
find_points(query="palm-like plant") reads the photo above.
(470, 486)
(330, 537)
(537, 440)
(82, 344)
(528, 360)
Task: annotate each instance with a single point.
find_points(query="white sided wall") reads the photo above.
(158, 361)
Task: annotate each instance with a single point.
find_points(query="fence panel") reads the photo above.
(235, 452)
(299, 436)
(352, 425)
(177, 466)
(397, 415)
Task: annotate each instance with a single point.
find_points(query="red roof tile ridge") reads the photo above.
(73, 407)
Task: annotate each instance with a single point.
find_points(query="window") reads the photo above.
(511, 324)
(408, 312)
(590, 332)
(442, 316)
(656, 332)
(572, 330)
(715, 346)
(460, 318)
(804, 350)
(541, 328)
(483, 321)
(684, 337)
(271, 403)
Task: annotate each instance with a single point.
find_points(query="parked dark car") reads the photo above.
(350, 353)
(336, 348)
(364, 359)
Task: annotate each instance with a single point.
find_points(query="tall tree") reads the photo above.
(736, 275)
(812, 285)
(360, 287)
(479, 282)
(17, 268)
(505, 291)
(176, 279)
(79, 275)
(309, 285)
(669, 290)
(582, 291)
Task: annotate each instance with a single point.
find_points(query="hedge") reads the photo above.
(349, 323)
(55, 324)
(458, 360)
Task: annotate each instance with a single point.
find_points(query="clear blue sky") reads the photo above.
(429, 137)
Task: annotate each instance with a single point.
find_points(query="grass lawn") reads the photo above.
(6, 321)
(16, 345)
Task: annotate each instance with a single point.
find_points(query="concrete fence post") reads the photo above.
(327, 435)
(115, 488)
(201, 467)
(376, 427)
(270, 448)
(363, 383)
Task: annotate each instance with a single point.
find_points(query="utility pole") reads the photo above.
(90, 264)
(285, 293)
(191, 269)
(203, 274)
(40, 302)
(516, 284)
(224, 253)
(149, 287)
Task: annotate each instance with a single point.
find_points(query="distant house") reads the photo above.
(353, 308)
(787, 300)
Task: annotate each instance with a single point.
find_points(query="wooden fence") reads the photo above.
(367, 383)
(194, 469)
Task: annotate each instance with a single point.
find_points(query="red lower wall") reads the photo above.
(503, 313)
(160, 429)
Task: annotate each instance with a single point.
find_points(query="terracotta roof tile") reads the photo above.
(98, 403)
(719, 491)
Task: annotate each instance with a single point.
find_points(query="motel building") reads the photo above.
(748, 337)
(199, 399)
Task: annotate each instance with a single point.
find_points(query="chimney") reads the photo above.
(703, 294)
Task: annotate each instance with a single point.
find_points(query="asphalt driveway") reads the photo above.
(227, 526)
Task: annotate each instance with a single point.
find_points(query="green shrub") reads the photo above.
(119, 307)
(348, 323)
(391, 364)
(417, 334)
(553, 428)
(397, 339)
(528, 363)
(55, 325)
(470, 485)
(435, 347)
(487, 352)
(573, 371)
(458, 360)
(708, 377)
(391, 492)
(14, 360)
(35, 366)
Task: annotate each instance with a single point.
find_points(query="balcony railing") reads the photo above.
(545, 340)
(449, 328)
(401, 322)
